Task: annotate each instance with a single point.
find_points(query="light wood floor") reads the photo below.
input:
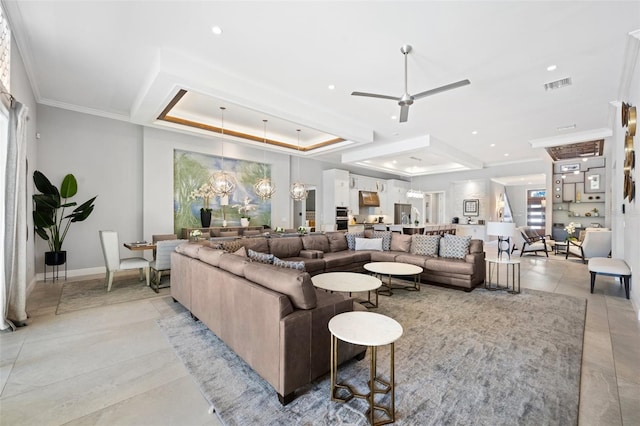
(113, 366)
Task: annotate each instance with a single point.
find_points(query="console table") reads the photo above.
(215, 229)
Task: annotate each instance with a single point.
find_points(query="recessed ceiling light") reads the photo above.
(585, 159)
(506, 154)
(475, 132)
(575, 172)
(551, 68)
(216, 30)
(393, 117)
(332, 86)
(492, 145)
(394, 161)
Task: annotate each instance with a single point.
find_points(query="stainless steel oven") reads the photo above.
(342, 218)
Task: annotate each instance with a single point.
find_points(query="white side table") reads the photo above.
(493, 265)
(350, 282)
(372, 330)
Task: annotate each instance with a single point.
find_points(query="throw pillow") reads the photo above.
(425, 245)
(232, 246)
(256, 256)
(400, 242)
(455, 246)
(337, 241)
(369, 244)
(289, 264)
(242, 252)
(386, 239)
(351, 239)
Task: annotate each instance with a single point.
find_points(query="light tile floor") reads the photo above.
(113, 366)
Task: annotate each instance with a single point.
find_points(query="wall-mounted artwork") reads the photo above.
(193, 170)
(471, 207)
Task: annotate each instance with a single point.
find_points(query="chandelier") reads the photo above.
(264, 188)
(298, 190)
(223, 183)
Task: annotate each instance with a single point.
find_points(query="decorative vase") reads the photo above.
(205, 217)
(54, 258)
(244, 222)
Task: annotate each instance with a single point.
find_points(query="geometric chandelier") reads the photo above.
(223, 183)
(298, 190)
(264, 188)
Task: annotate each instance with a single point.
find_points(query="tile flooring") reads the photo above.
(112, 365)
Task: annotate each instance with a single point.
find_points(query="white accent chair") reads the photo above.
(595, 244)
(527, 241)
(162, 263)
(113, 262)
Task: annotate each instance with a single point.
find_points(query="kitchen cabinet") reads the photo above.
(396, 193)
(335, 193)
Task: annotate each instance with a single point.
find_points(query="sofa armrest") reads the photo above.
(311, 254)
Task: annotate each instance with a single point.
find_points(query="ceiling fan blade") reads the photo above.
(404, 113)
(374, 95)
(442, 89)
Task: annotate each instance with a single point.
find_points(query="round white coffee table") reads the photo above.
(398, 269)
(350, 282)
(372, 330)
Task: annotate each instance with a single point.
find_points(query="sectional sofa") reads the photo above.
(257, 296)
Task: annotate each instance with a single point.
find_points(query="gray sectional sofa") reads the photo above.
(274, 318)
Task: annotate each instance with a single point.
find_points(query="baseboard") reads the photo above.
(73, 273)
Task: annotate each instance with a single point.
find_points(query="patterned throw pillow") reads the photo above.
(288, 264)
(425, 245)
(386, 239)
(256, 256)
(455, 246)
(232, 246)
(351, 239)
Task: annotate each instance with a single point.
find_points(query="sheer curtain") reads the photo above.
(14, 276)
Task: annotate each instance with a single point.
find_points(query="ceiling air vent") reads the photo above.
(558, 84)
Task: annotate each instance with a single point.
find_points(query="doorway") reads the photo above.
(433, 208)
(305, 210)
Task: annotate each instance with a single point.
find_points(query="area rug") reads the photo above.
(92, 293)
(474, 358)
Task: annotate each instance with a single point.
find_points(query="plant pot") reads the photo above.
(54, 258)
(244, 222)
(205, 218)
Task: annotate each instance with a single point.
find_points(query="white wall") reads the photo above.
(105, 156)
(158, 176)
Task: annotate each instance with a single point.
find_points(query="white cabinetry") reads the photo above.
(335, 188)
(396, 192)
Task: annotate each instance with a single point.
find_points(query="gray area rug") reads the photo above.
(479, 358)
(92, 293)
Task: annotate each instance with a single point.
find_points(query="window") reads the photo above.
(536, 207)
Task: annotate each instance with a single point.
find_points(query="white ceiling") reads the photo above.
(275, 60)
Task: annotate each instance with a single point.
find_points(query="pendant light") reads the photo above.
(264, 188)
(298, 190)
(223, 183)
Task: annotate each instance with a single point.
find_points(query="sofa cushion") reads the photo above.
(476, 246)
(426, 245)
(451, 266)
(369, 244)
(400, 242)
(337, 241)
(351, 239)
(334, 260)
(312, 266)
(256, 256)
(233, 263)
(285, 247)
(455, 246)
(291, 264)
(384, 256)
(259, 244)
(189, 249)
(386, 238)
(412, 259)
(315, 242)
(295, 284)
(210, 256)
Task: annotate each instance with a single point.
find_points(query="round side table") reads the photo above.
(371, 330)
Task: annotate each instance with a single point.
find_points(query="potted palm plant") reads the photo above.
(49, 217)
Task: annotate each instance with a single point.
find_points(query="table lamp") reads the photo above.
(504, 231)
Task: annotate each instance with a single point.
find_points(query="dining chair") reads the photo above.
(162, 262)
(113, 262)
(161, 237)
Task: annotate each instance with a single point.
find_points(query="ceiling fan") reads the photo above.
(406, 99)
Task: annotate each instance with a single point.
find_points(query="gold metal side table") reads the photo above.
(372, 330)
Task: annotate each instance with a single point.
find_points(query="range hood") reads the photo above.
(368, 199)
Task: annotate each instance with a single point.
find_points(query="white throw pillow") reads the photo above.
(369, 244)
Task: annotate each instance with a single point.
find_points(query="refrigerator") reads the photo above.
(401, 211)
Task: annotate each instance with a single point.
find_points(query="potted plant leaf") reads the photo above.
(49, 217)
